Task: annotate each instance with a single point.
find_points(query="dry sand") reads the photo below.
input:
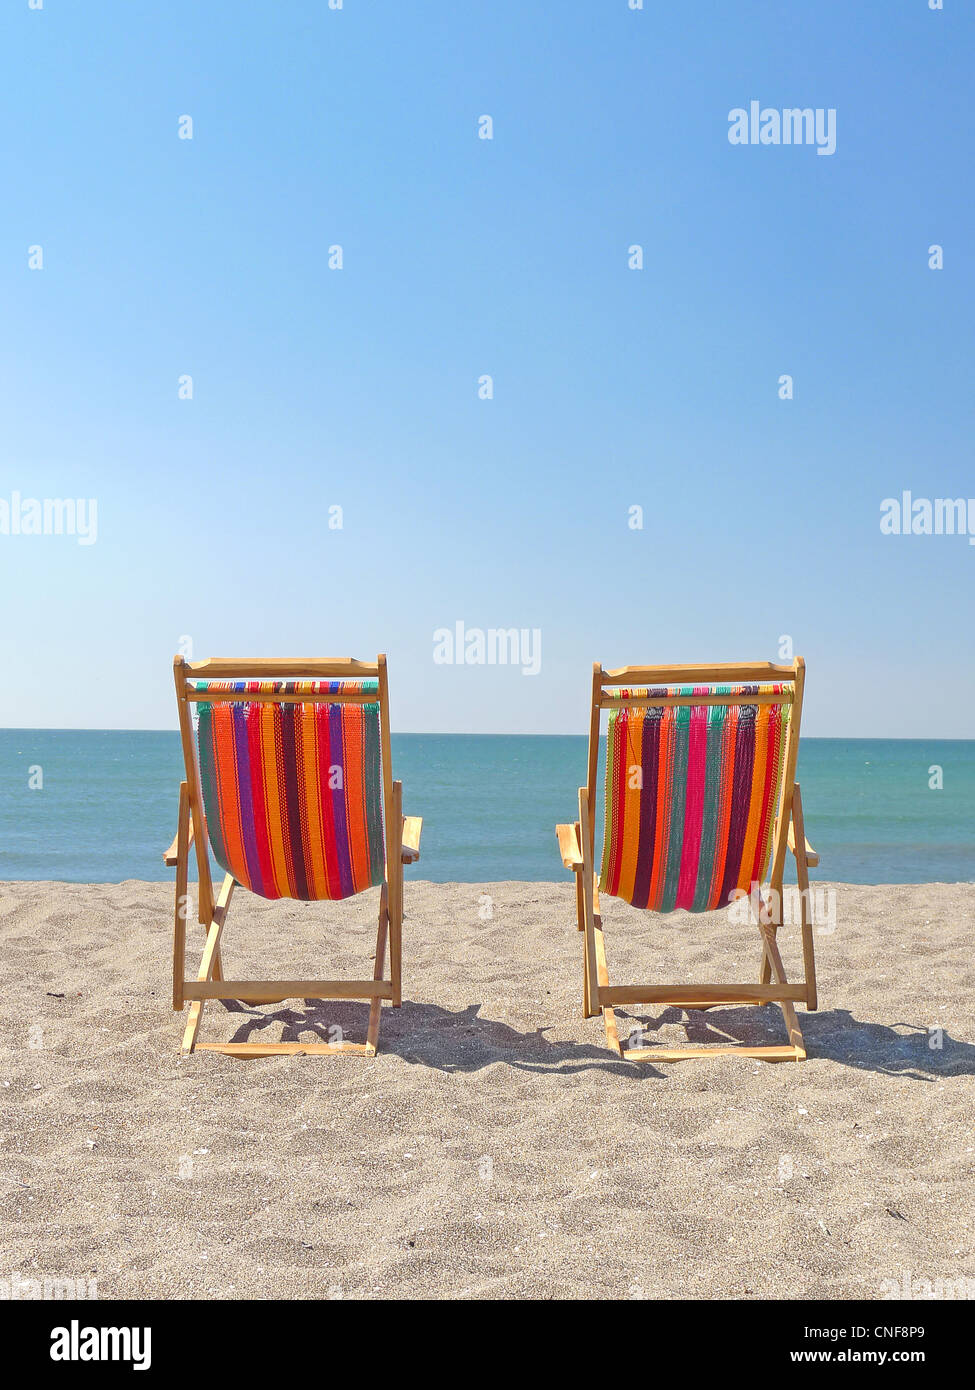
(494, 1148)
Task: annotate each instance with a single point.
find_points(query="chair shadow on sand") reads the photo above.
(462, 1041)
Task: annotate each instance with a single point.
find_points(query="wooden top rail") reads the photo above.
(318, 697)
(734, 672)
(669, 701)
(272, 668)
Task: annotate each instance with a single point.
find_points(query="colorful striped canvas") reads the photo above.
(293, 792)
(691, 796)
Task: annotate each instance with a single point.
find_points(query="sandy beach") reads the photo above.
(494, 1148)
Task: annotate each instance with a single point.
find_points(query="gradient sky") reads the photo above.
(316, 387)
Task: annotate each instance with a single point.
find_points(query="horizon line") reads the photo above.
(475, 733)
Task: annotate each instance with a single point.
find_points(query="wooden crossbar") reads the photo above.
(249, 1051)
(714, 994)
(687, 1054)
(271, 991)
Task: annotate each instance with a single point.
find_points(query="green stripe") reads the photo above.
(678, 802)
(208, 783)
(372, 760)
(610, 828)
(717, 714)
(370, 687)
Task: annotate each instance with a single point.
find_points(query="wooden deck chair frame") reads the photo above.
(577, 846)
(400, 831)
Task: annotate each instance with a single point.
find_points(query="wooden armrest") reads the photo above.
(171, 856)
(411, 838)
(569, 847)
(812, 858)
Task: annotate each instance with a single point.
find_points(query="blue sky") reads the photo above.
(462, 257)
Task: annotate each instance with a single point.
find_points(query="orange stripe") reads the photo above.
(229, 791)
(355, 803)
(270, 716)
(630, 829)
(662, 827)
(333, 882)
(728, 739)
(756, 800)
(310, 799)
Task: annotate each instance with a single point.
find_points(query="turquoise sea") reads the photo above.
(107, 806)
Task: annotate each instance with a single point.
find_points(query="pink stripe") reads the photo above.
(697, 745)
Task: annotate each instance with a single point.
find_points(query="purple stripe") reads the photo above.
(741, 791)
(337, 759)
(287, 714)
(245, 798)
(648, 805)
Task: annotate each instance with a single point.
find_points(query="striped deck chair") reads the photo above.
(289, 782)
(701, 803)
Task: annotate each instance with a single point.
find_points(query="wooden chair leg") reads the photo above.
(802, 877)
(182, 897)
(210, 959)
(602, 977)
(769, 920)
(581, 926)
(580, 907)
(587, 1008)
(193, 1019)
(808, 952)
(788, 1008)
(765, 970)
(217, 960)
(396, 904)
(590, 1002)
(375, 1008)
